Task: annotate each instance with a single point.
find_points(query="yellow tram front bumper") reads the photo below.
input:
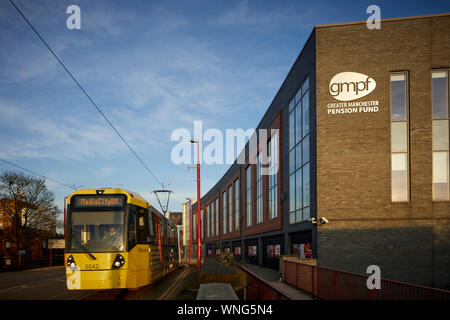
(96, 279)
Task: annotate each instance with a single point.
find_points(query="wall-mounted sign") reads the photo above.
(273, 251)
(302, 250)
(348, 86)
(56, 243)
(252, 251)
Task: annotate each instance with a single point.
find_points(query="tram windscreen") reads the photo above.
(96, 231)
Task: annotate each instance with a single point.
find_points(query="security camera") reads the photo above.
(313, 220)
(324, 220)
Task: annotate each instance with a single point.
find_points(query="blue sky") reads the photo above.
(152, 67)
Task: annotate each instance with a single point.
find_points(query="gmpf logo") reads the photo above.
(347, 86)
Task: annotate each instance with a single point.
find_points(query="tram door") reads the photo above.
(143, 252)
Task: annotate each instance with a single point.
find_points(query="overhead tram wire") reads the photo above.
(38, 174)
(82, 89)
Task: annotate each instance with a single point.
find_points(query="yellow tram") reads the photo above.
(116, 240)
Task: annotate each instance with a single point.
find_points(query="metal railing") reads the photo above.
(260, 289)
(331, 284)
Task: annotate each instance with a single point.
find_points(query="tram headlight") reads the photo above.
(118, 261)
(71, 262)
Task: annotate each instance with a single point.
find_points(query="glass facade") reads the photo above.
(216, 207)
(399, 137)
(230, 208)
(259, 191)
(224, 212)
(236, 205)
(299, 144)
(273, 177)
(440, 94)
(248, 174)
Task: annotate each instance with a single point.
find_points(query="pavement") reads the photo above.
(212, 270)
(216, 291)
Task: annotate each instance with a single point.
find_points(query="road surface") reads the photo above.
(50, 284)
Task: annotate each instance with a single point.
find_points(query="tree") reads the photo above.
(29, 205)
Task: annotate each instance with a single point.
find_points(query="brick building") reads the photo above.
(33, 250)
(363, 142)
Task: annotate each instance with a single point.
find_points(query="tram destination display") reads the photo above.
(95, 201)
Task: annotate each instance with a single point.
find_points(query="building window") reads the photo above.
(202, 219)
(8, 244)
(399, 137)
(273, 177)
(224, 212)
(207, 221)
(259, 191)
(299, 168)
(230, 208)
(236, 205)
(440, 90)
(194, 227)
(248, 175)
(216, 207)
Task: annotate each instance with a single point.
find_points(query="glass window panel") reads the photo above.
(292, 193)
(224, 212)
(298, 215)
(298, 156)
(291, 130)
(298, 123)
(298, 188)
(305, 148)
(399, 137)
(237, 203)
(298, 96)
(291, 105)
(398, 96)
(292, 217)
(440, 135)
(440, 94)
(291, 161)
(305, 86)
(306, 190)
(440, 167)
(305, 117)
(217, 216)
(273, 206)
(306, 213)
(230, 208)
(440, 176)
(399, 177)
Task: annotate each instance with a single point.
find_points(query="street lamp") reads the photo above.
(199, 255)
(190, 229)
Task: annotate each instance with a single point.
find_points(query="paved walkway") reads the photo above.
(272, 277)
